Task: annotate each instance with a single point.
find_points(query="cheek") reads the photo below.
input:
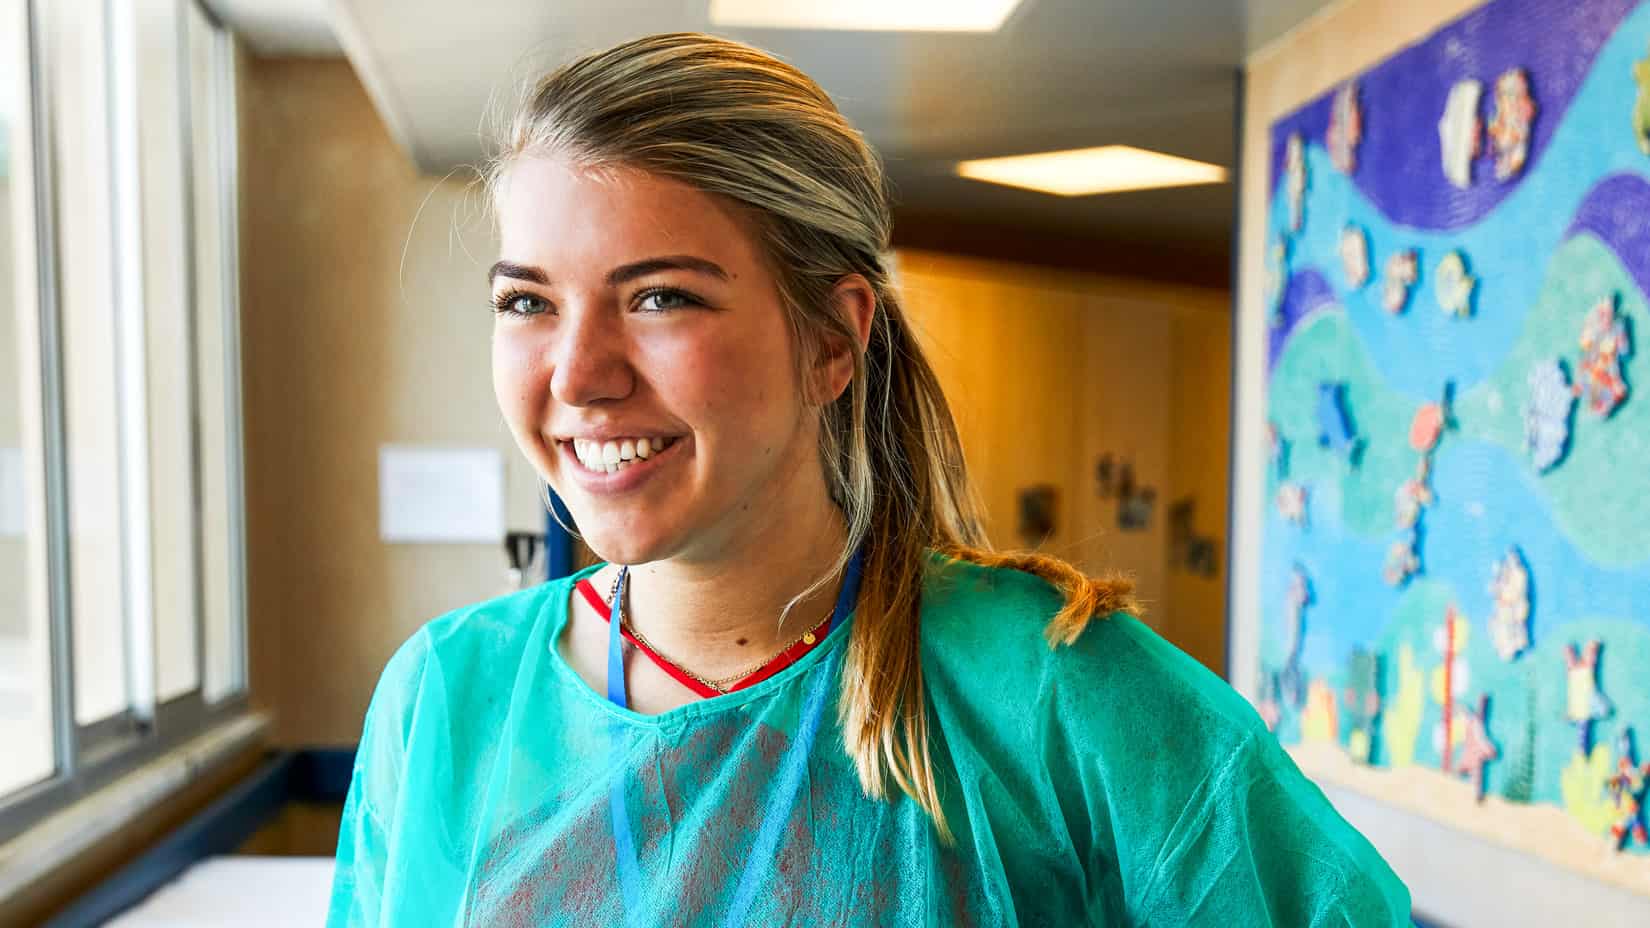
(518, 377)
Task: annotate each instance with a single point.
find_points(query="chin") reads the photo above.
(617, 545)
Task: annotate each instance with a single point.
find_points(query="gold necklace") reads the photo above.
(719, 684)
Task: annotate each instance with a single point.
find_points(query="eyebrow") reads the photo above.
(619, 275)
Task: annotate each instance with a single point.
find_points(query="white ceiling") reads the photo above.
(1158, 74)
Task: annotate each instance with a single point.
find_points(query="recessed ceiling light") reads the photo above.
(1082, 171)
(865, 15)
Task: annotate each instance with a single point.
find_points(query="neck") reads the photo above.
(720, 616)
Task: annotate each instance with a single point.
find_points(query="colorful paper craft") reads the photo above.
(1292, 503)
(1477, 750)
(1402, 270)
(1547, 414)
(1294, 178)
(1453, 285)
(1604, 345)
(1355, 256)
(1584, 702)
(1458, 132)
(1627, 787)
(1510, 622)
(1509, 128)
(1346, 129)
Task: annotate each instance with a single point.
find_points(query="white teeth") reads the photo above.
(610, 456)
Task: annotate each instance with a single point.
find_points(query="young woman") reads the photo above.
(801, 691)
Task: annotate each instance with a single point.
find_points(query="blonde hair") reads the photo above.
(738, 123)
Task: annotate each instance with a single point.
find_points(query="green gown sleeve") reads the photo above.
(372, 807)
(1261, 845)
(1206, 817)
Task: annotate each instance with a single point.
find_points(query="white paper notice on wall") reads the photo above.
(13, 521)
(440, 495)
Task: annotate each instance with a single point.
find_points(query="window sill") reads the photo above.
(60, 841)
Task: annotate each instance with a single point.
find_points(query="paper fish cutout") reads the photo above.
(1428, 425)
(1402, 270)
(1453, 285)
(1641, 107)
(1402, 562)
(1603, 347)
(1584, 703)
(1509, 128)
(1292, 503)
(1510, 622)
(1627, 788)
(1354, 250)
(1346, 129)
(1294, 180)
(1547, 414)
(1363, 703)
(1412, 495)
(1477, 750)
(1459, 130)
(1335, 430)
(1276, 279)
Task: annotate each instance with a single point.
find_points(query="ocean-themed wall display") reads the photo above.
(1466, 476)
(1402, 270)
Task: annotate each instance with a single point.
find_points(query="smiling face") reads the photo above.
(632, 308)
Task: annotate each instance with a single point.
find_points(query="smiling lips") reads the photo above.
(609, 457)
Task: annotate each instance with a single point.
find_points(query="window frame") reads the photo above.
(88, 757)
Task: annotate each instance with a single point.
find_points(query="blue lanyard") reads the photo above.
(787, 778)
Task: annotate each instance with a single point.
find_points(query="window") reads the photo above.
(121, 553)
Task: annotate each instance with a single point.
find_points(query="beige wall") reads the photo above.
(1047, 370)
(357, 333)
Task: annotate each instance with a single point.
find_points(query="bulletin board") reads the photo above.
(1455, 568)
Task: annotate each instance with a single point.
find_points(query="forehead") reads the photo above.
(567, 218)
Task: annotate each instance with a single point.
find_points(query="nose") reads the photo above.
(591, 359)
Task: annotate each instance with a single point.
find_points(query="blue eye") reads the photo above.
(517, 303)
(664, 299)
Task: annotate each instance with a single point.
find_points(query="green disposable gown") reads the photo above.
(1114, 781)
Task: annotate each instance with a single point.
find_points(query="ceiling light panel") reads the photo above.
(865, 15)
(1084, 171)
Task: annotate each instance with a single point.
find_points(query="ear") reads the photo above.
(855, 302)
